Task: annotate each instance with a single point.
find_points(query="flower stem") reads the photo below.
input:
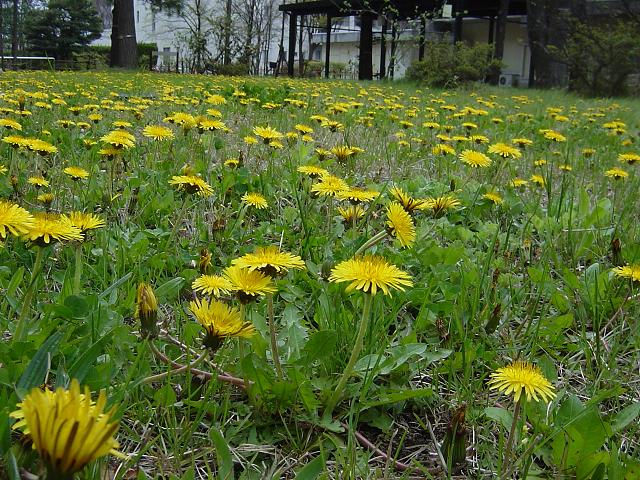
(274, 340)
(371, 242)
(28, 297)
(355, 353)
(172, 371)
(77, 274)
(512, 434)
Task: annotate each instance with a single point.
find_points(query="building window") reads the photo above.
(153, 22)
(138, 16)
(166, 49)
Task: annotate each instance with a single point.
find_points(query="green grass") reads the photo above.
(530, 279)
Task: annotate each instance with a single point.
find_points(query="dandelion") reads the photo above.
(312, 171)
(329, 186)
(629, 158)
(504, 150)
(370, 274)
(267, 134)
(191, 184)
(351, 213)
(409, 203)
(146, 311)
(220, 322)
(400, 224)
(357, 195)
(475, 159)
(494, 197)
(49, 228)
(342, 152)
(14, 219)
(269, 261)
(215, 285)
(254, 200)
(554, 136)
(76, 173)
(157, 132)
(440, 205)
(67, 428)
(248, 284)
(443, 149)
(538, 180)
(631, 272)
(38, 181)
(10, 124)
(86, 221)
(519, 377)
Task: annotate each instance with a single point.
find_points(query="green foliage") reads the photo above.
(62, 28)
(314, 69)
(447, 65)
(601, 57)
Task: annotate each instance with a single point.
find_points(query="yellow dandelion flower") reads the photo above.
(357, 195)
(370, 273)
(400, 224)
(538, 180)
(408, 203)
(76, 173)
(157, 132)
(86, 221)
(631, 272)
(269, 261)
(146, 310)
(212, 285)
(519, 182)
(67, 428)
(267, 134)
(191, 184)
(521, 376)
(443, 149)
(495, 197)
(440, 205)
(351, 213)
(220, 322)
(248, 284)
(38, 181)
(629, 158)
(554, 136)
(616, 173)
(504, 150)
(312, 170)
(48, 228)
(254, 200)
(475, 159)
(10, 124)
(14, 219)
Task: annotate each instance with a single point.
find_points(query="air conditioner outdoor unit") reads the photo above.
(509, 80)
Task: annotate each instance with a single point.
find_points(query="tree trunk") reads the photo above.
(226, 48)
(546, 26)
(300, 42)
(14, 30)
(124, 48)
(501, 32)
(2, 34)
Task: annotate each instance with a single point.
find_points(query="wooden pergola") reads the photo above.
(367, 10)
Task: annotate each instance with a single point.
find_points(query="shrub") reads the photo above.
(447, 65)
(601, 58)
(314, 68)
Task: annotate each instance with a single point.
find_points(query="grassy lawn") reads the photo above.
(424, 245)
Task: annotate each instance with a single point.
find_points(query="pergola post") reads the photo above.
(291, 54)
(421, 38)
(492, 28)
(365, 60)
(327, 51)
(383, 49)
(457, 25)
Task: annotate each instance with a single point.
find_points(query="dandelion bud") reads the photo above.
(325, 270)
(147, 311)
(205, 261)
(14, 183)
(616, 251)
(455, 440)
(21, 102)
(452, 185)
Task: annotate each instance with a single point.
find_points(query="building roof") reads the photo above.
(401, 8)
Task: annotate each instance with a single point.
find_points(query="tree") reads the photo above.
(124, 48)
(64, 27)
(501, 33)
